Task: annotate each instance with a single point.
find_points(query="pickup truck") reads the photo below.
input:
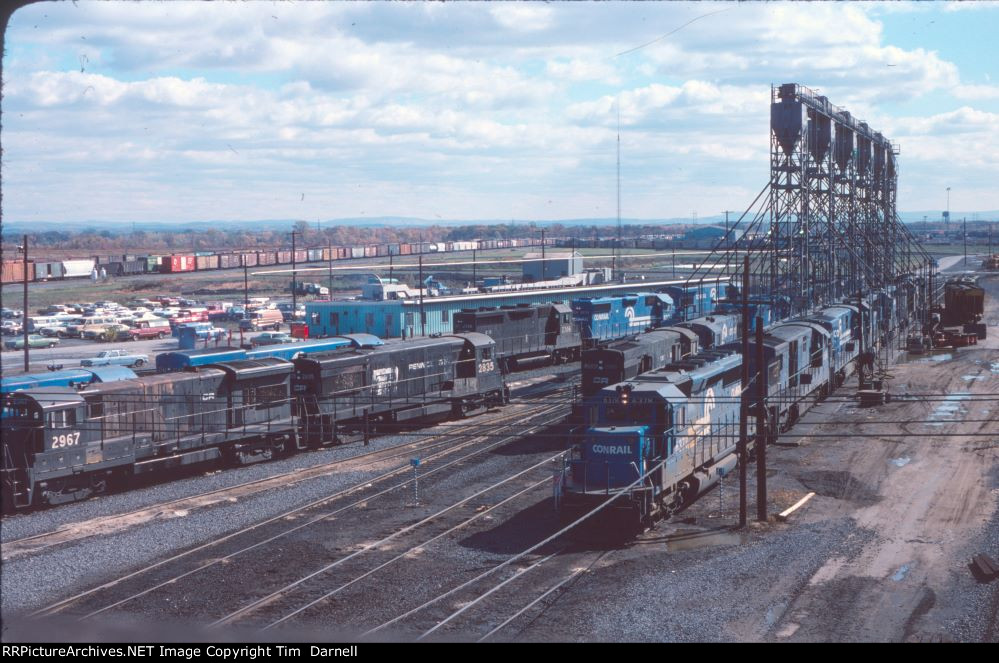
(116, 357)
(150, 329)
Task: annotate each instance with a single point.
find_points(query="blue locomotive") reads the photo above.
(609, 318)
(658, 439)
(661, 438)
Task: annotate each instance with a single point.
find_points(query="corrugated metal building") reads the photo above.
(389, 319)
(554, 265)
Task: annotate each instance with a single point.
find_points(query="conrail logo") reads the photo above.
(611, 449)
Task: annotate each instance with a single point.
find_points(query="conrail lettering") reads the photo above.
(611, 449)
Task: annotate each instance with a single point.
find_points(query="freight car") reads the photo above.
(525, 334)
(62, 443)
(964, 306)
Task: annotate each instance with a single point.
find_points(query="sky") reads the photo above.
(178, 111)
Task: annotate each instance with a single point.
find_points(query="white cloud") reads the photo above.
(525, 17)
(494, 108)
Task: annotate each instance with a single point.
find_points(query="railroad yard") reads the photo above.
(336, 543)
(324, 417)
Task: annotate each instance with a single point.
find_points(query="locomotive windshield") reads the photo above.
(18, 407)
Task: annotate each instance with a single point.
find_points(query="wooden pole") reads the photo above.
(761, 425)
(24, 314)
(744, 399)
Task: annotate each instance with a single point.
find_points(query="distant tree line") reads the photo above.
(90, 239)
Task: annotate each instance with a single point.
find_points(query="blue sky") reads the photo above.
(184, 111)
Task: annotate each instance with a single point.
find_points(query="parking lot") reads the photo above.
(70, 351)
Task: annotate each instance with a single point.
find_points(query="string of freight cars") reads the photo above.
(490, 261)
(13, 271)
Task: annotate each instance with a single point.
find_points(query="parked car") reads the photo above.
(10, 327)
(53, 329)
(76, 328)
(34, 341)
(8, 313)
(272, 338)
(115, 333)
(53, 309)
(96, 332)
(189, 315)
(116, 357)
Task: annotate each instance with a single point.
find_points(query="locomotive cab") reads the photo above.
(477, 374)
(45, 432)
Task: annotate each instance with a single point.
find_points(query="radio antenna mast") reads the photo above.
(617, 243)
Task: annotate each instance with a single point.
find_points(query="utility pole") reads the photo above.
(474, 280)
(761, 426)
(860, 356)
(329, 247)
(246, 290)
(947, 214)
(294, 289)
(24, 314)
(744, 399)
(543, 262)
(423, 315)
(966, 242)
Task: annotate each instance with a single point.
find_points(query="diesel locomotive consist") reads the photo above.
(62, 443)
(660, 438)
(525, 335)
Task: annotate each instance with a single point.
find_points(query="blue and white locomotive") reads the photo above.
(660, 438)
(610, 318)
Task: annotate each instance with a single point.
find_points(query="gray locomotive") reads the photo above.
(62, 444)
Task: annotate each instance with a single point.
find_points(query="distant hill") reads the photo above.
(14, 227)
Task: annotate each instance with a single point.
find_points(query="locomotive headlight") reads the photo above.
(623, 392)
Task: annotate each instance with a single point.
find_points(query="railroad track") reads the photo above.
(184, 505)
(302, 594)
(518, 423)
(181, 506)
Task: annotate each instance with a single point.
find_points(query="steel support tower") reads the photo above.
(826, 229)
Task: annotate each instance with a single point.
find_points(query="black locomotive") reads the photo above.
(62, 444)
(525, 334)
